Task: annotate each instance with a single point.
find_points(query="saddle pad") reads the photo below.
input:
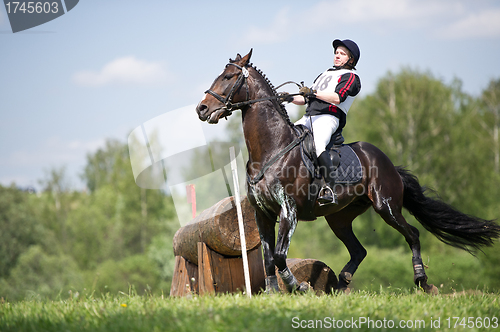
(350, 170)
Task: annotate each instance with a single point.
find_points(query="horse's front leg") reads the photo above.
(267, 238)
(287, 225)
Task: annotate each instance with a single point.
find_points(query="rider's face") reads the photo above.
(341, 56)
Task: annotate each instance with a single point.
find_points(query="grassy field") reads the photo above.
(360, 311)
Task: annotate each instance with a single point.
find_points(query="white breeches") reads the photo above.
(323, 126)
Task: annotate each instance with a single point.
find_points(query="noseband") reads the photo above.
(228, 104)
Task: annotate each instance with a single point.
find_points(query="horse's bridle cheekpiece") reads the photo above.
(228, 103)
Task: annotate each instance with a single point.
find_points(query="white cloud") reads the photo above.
(125, 70)
(474, 25)
(368, 11)
(298, 22)
(453, 18)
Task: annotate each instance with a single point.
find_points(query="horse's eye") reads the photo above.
(228, 76)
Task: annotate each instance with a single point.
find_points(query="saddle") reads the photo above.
(347, 163)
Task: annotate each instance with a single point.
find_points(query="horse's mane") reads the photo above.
(281, 109)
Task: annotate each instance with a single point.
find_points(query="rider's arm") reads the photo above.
(298, 100)
(328, 97)
(332, 98)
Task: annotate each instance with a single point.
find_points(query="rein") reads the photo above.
(242, 79)
(287, 149)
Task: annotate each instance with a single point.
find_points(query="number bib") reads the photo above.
(327, 82)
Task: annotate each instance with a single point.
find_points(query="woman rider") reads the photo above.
(328, 101)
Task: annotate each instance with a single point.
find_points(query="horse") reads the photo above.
(275, 191)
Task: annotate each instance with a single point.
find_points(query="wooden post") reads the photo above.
(205, 276)
(221, 274)
(185, 279)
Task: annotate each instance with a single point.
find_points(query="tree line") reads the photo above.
(114, 236)
(109, 238)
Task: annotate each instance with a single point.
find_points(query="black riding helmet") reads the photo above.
(351, 46)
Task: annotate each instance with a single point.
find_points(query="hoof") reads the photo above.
(430, 289)
(272, 285)
(303, 288)
(343, 290)
(271, 291)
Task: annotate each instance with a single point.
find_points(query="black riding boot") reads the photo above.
(327, 170)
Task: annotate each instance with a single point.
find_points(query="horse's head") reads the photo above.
(228, 89)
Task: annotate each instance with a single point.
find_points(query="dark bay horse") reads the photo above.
(277, 184)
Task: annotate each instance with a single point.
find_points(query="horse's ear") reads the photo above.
(238, 58)
(246, 59)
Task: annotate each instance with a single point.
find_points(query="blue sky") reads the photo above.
(106, 67)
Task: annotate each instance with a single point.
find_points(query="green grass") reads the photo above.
(260, 313)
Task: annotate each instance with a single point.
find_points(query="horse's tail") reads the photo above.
(445, 222)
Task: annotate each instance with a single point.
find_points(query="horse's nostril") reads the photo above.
(201, 108)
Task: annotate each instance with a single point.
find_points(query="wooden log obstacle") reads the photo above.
(319, 276)
(208, 255)
(208, 252)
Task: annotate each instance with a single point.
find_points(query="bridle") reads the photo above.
(242, 79)
(228, 101)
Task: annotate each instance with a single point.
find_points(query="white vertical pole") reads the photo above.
(240, 221)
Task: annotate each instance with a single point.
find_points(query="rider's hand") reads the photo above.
(306, 91)
(285, 96)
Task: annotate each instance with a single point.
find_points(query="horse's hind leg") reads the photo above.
(389, 208)
(341, 225)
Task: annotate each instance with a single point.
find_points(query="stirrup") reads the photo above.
(328, 197)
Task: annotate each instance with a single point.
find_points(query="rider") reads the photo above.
(328, 101)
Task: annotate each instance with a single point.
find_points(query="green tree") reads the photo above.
(19, 227)
(117, 218)
(55, 202)
(487, 136)
(41, 274)
(102, 165)
(490, 120)
(116, 234)
(488, 117)
(32, 259)
(117, 221)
